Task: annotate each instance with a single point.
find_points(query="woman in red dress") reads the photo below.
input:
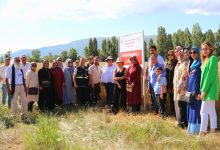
(134, 85)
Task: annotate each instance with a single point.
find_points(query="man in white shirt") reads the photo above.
(25, 66)
(16, 86)
(95, 74)
(2, 79)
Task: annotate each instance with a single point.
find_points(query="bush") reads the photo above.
(45, 135)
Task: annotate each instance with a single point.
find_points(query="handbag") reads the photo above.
(45, 84)
(33, 91)
(189, 97)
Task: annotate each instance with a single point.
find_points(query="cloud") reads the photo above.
(84, 10)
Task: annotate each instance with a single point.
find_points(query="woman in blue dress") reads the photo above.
(69, 97)
(194, 119)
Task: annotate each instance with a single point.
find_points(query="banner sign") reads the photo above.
(132, 45)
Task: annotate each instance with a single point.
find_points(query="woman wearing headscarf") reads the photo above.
(193, 116)
(68, 92)
(32, 84)
(46, 86)
(134, 85)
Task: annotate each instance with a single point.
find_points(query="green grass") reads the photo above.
(45, 135)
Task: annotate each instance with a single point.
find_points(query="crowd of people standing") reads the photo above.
(189, 79)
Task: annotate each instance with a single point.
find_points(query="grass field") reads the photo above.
(97, 129)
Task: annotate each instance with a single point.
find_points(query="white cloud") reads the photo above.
(83, 10)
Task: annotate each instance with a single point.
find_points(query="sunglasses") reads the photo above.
(193, 52)
(17, 60)
(170, 55)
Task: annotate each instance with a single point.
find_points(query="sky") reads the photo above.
(27, 24)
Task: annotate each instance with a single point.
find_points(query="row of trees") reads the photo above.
(36, 55)
(185, 38)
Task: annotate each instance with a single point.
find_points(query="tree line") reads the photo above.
(164, 42)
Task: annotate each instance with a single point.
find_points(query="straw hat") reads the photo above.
(119, 60)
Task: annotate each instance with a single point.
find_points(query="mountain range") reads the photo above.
(79, 45)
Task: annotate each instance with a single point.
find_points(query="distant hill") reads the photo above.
(79, 45)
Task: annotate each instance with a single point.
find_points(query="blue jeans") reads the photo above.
(5, 95)
(153, 99)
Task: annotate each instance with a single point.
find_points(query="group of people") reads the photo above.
(189, 78)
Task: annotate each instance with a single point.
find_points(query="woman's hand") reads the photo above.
(161, 96)
(202, 96)
(119, 86)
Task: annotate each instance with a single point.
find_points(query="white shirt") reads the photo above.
(2, 73)
(25, 68)
(96, 72)
(18, 75)
(108, 73)
(159, 59)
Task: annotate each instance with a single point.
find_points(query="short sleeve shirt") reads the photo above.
(25, 68)
(18, 75)
(158, 85)
(96, 72)
(2, 73)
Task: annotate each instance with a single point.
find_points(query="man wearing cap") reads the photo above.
(108, 80)
(25, 66)
(16, 86)
(2, 79)
(95, 74)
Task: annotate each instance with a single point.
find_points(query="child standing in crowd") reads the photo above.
(209, 87)
(160, 91)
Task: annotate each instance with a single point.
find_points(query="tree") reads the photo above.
(197, 35)
(86, 52)
(114, 47)
(64, 55)
(187, 38)
(161, 40)
(105, 48)
(178, 38)
(49, 57)
(73, 54)
(210, 37)
(36, 55)
(145, 50)
(109, 48)
(217, 42)
(93, 47)
(150, 43)
(169, 42)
